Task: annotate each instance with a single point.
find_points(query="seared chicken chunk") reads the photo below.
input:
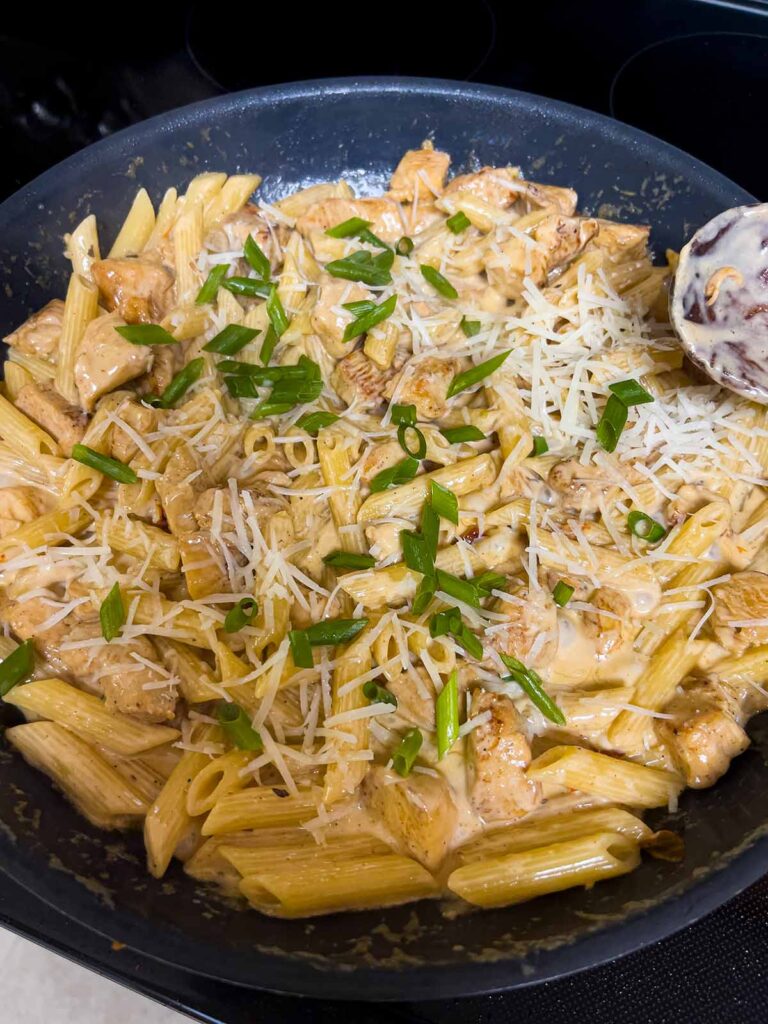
(105, 360)
(577, 486)
(358, 380)
(64, 422)
(415, 697)
(19, 505)
(420, 174)
(383, 214)
(140, 418)
(499, 186)
(497, 756)
(620, 241)
(531, 635)
(138, 290)
(424, 382)
(233, 231)
(742, 598)
(553, 242)
(610, 627)
(329, 319)
(40, 335)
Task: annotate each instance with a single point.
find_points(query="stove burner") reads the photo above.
(704, 93)
(335, 46)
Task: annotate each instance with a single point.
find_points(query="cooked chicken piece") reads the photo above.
(620, 241)
(579, 487)
(256, 499)
(166, 362)
(415, 698)
(420, 217)
(138, 290)
(178, 493)
(358, 380)
(531, 635)
(742, 598)
(19, 505)
(419, 812)
(105, 360)
(612, 625)
(424, 382)
(497, 756)
(141, 418)
(383, 214)
(421, 173)
(108, 669)
(499, 186)
(550, 197)
(231, 234)
(329, 320)
(40, 335)
(43, 404)
(554, 241)
(384, 539)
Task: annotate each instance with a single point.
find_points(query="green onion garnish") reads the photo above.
(470, 327)
(112, 614)
(439, 283)
(313, 422)
(447, 715)
(647, 529)
(398, 474)
(104, 464)
(378, 694)
(531, 683)
(361, 266)
(257, 258)
(456, 435)
(241, 386)
(249, 286)
(229, 341)
(416, 552)
(631, 392)
(444, 502)
(430, 529)
(424, 594)
(403, 414)
(611, 423)
(268, 345)
(270, 408)
(469, 378)
(369, 238)
(406, 752)
(487, 582)
(212, 284)
(349, 560)
(366, 321)
(461, 590)
(263, 375)
(182, 382)
(404, 246)
(237, 726)
(348, 228)
(562, 594)
(301, 648)
(450, 623)
(334, 631)
(458, 222)
(16, 667)
(146, 334)
(276, 313)
(359, 307)
(540, 447)
(243, 614)
(420, 450)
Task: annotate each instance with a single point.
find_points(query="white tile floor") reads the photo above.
(42, 988)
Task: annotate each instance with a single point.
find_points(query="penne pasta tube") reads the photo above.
(24, 436)
(187, 243)
(217, 779)
(233, 195)
(166, 215)
(268, 850)
(343, 776)
(137, 227)
(143, 541)
(80, 307)
(610, 777)
(48, 529)
(333, 454)
(82, 248)
(260, 807)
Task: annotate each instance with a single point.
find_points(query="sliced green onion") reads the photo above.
(540, 447)
(611, 423)
(430, 531)
(416, 553)
(104, 464)
(398, 474)
(313, 422)
(153, 401)
(403, 414)
(212, 284)
(334, 631)
(439, 283)
(182, 382)
(470, 327)
(268, 345)
(257, 258)
(241, 386)
(357, 268)
(16, 667)
(406, 752)
(112, 614)
(458, 222)
(359, 307)
(378, 694)
(263, 375)
(424, 594)
(467, 640)
(301, 648)
(237, 726)
(444, 502)
(469, 378)
(631, 392)
(368, 236)
(348, 228)
(404, 246)
(249, 286)
(531, 683)
(243, 614)
(456, 435)
(487, 582)
(462, 590)
(445, 623)
(276, 313)
(229, 341)
(420, 450)
(562, 594)
(366, 321)
(268, 408)
(447, 715)
(645, 528)
(349, 560)
(146, 334)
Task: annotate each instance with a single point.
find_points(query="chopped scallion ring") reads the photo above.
(631, 392)
(16, 667)
(112, 614)
(562, 593)
(647, 529)
(611, 424)
(237, 726)
(447, 715)
(531, 684)
(420, 450)
(458, 222)
(469, 378)
(104, 464)
(243, 614)
(378, 694)
(439, 283)
(406, 752)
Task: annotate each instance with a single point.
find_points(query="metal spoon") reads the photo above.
(719, 300)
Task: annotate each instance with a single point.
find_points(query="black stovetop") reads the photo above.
(690, 71)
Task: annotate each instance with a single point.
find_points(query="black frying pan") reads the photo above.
(296, 135)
